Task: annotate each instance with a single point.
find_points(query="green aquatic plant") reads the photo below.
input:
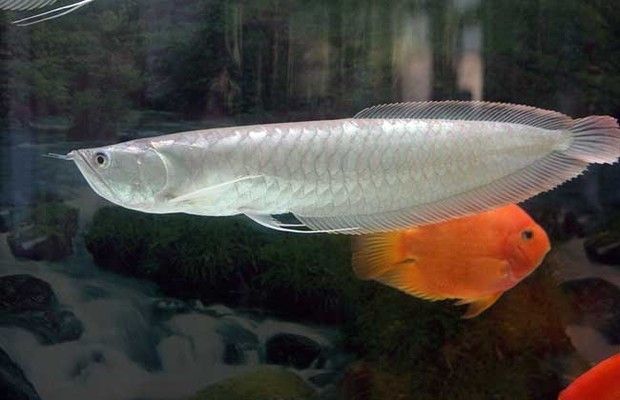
(188, 256)
(307, 274)
(227, 260)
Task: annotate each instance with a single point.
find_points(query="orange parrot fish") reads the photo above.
(474, 259)
(601, 382)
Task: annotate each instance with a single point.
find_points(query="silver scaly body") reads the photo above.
(390, 167)
(341, 167)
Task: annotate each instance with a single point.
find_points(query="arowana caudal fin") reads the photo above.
(477, 306)
(373, 255)
(595, 139)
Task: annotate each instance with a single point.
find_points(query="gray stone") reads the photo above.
(13, 383)
(595, 302)
(29, 303)
(237, 341)
(323, 379)
(165, 308)
(603, 247)
(29, 242)
(293, 350)
(45, 234)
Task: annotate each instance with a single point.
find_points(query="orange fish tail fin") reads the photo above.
(479, 305)
(375, 254)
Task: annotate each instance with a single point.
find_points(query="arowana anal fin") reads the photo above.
(269, 221)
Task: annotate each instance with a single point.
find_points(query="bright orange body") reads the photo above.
(474, 258)
(602, 382)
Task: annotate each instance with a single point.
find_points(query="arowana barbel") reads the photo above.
(390, 167)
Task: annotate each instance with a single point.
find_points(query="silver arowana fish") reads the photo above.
(21, 5)
(389, 167)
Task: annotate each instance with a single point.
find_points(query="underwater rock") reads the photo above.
(5, 222)
(26, 242)
(47, 234)
(233, 354)
(237, 341)
(25, 293)
(603, 247)
(263, 383)
(93, 292)
(29, 303)
(324, 378)
(13, 383)
(167, 307)
(293, 350)
(595, 302)
(217, 310)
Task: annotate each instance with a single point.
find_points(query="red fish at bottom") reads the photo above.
(601, 382)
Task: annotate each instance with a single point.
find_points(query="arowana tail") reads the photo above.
(596, 139)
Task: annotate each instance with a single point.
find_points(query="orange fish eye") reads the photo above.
(527, 234)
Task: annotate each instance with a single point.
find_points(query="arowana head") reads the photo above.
(129, 174)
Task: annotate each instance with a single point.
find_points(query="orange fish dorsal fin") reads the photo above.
(477, 306)
(375, 254)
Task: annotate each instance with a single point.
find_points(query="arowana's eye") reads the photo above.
(527, 234)
(102, 160)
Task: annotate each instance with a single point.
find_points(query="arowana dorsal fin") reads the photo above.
(16, 5)
(469, 111)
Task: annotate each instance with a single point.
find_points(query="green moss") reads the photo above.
(229, 260)
(195, 256)
(265, 383)
(307, 275)
(55, 217)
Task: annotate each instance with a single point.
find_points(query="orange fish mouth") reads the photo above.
(516, 277)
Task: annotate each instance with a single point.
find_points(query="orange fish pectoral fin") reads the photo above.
(405, 277)
(375, 254)
(477, 306)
